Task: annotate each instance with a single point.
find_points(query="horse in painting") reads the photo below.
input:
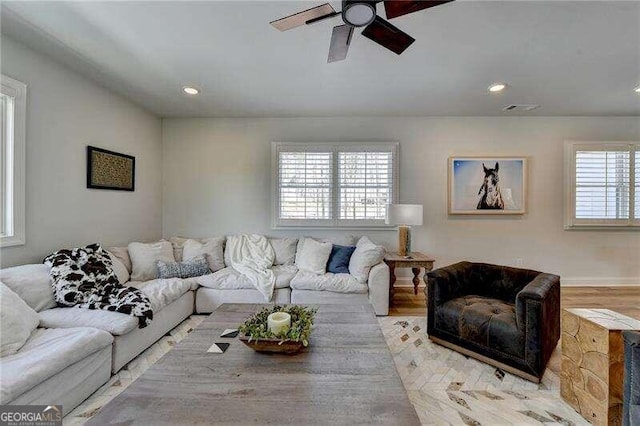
(489, 195)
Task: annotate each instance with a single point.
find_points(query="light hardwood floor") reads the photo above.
(625, 300)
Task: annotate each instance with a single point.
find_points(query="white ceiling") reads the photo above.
(573, 58)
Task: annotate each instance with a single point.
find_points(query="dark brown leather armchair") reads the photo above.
(507, 317)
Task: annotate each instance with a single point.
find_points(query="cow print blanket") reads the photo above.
(83, 277)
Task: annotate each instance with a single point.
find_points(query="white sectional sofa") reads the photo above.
(74, 351)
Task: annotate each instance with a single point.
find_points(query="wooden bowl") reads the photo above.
(273, 345)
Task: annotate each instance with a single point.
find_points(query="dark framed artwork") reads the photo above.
(110, 170)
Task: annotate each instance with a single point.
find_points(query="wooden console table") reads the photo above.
(415, 261)
(593, 362)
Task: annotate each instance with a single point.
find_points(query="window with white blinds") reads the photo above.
(636, 191)
(305, 185)
(12, 161)
(333, 185)
(365, 184)
(604, 184)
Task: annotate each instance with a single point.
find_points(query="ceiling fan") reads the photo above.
(360, 13)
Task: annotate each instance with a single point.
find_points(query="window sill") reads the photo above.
(333, 228)
(12, 241)
(602, 227)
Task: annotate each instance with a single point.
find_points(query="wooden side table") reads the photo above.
(593, 362)
(415, 261)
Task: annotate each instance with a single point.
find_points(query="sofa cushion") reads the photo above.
(484, 321)
(122, 253)
(230, 279)
(119, 268)
(32, 283)
(177, 243)
(162, 292)
(113, 322)
(46, 353)
(339, 259)
(285, 249)
(17, 321)
(313, 256)
(212, 248)
(337, 283)
(144, 258)
(366, 255)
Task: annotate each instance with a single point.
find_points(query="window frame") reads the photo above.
(573, 223)
(13, 153)
(335, 147)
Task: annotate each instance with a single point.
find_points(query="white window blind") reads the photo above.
(366, 184)
(603, 184)
(6, 114)
(333, 185)
(305, 185)
(12, 161)
(637, 185)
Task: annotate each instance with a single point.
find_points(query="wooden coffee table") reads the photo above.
(345, 376)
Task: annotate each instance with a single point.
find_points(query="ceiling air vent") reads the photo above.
(520, 107)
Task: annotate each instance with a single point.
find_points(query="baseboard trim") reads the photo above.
(406, 282)
(601, 282)
(565, 282)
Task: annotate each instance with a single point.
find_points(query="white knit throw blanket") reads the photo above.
(252, 256)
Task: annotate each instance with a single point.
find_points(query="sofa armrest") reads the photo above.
(538, 315)
(631, 399)
(378, 283)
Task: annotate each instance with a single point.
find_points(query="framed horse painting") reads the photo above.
(487, 185)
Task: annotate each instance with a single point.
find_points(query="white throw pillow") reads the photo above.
(145, 257)
(178, 246)
(366, 255)
(17, 321)
(119, 268)
(32, 283)
(341, 240)
(212, 248)
(122, 254)
(285, 249)
(313, 256)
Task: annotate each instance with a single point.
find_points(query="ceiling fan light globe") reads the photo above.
(358, 14)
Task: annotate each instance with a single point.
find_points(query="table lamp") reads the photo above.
(405, 216)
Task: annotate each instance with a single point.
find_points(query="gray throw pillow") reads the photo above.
(194, 267)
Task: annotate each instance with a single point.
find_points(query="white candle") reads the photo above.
(279, 323)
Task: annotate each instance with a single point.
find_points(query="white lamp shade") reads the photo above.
(404, 214)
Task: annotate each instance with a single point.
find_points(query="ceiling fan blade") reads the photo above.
(387, 35)
(340, 40)
(395, 8)
(305, 17)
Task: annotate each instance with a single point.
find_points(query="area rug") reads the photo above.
(444, 386)
(447, 387)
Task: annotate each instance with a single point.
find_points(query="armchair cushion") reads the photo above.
(484, 321)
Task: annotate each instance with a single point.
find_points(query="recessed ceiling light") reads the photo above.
(637, 89)
(497, 87)
(190, 90)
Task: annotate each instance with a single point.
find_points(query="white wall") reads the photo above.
(216, 180)
(65, 113)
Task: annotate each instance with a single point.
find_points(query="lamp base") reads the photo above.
(404, 240)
